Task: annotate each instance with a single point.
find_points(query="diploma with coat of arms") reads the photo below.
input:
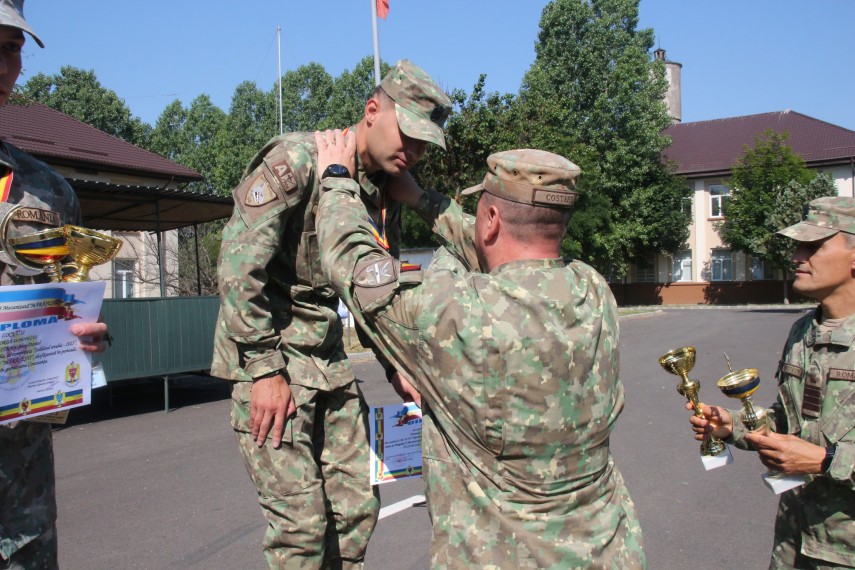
(42, 368)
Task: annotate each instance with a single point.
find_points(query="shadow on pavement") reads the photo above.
(146, 395)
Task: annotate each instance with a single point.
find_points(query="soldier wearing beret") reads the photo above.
(27, 483)
(279, 337)
(813, 419)
(514, 353)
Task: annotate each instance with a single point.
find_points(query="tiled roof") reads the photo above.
(713, 147)
(56, 137)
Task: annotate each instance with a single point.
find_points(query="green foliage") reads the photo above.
(595, 96)
(350, 91)
(769, 188)
(79, 94)
(188, 136)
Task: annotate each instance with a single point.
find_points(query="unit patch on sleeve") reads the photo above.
(259, 193)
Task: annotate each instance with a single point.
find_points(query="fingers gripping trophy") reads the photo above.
(714, 452)
(44, 251)
(740, 385)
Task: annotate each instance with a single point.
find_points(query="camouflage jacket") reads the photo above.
(47, 199)
(822, 509)
(26, 466)
(518, 371)
(277, 311)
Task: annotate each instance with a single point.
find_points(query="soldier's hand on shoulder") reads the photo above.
(336, 147)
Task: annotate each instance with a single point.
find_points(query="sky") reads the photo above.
(739, 57)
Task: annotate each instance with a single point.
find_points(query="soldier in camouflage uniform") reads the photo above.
(814, 416)
(279, 337)
(27, 485)
(517, 366)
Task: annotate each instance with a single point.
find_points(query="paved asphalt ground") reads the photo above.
(141, 488)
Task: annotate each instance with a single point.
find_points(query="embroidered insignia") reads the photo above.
(38, 216)
(285, 175)
(380, 272)
(259, 193)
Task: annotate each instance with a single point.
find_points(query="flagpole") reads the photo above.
(279, 59)
(376, 42)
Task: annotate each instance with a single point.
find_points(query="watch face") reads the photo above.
(337, 171)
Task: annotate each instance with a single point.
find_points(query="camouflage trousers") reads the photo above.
(314, 490)
(786, 554)
(28, 498)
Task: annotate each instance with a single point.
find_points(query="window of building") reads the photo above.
(682, 270)
(761, 270)
(721, 265)
(687, 205)
(646, 271)
(123, 278)
(719, 196)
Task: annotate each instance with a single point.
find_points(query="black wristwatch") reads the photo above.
(829, 457)
(336, 171)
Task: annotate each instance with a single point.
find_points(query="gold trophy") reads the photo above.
(43, 250)
(741, 385)
(680, 362)
(87, 248)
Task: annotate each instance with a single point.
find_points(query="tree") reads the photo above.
(306, 94)
(79, 94)
(187, 136)
(251, 122)
(482, 123)
(350, 91)
(769, 188)
(595, 95)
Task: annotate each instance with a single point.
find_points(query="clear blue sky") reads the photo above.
(739, 56)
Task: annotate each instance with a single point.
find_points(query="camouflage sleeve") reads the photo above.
(366, 277)
(451, 225)
(251, 241)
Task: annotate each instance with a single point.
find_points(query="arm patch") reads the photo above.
(375, 280)
(266, 190)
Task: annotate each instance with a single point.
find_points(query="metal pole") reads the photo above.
(376, 42)
(198, 271)
(279, 59)
(160, 252)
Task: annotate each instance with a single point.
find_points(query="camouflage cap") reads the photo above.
(824, 218)
(532, 177)
(12, 15)
(420, 105)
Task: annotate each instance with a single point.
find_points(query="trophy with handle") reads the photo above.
(43, 250)
(680, 361)
(740, 385)
(87, 248)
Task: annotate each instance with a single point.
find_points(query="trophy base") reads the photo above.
(782, 483)
(715, 461)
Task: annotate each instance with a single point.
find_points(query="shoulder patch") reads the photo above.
(37, 216)
(259, 193)
(282, 171)
(376, 273)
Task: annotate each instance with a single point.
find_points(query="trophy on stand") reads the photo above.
(40, 250)
(680, 361)
(87, 248)
(43, 251)
(741, 385)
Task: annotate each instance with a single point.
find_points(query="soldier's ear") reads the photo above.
(372, 109)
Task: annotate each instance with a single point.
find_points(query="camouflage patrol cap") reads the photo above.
(824, 218)
(420, 105)
(12, 15)
(532, 177)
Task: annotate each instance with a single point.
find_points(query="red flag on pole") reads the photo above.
(382, 8)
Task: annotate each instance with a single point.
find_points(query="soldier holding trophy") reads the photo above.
(812, 423)
(27, 187)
